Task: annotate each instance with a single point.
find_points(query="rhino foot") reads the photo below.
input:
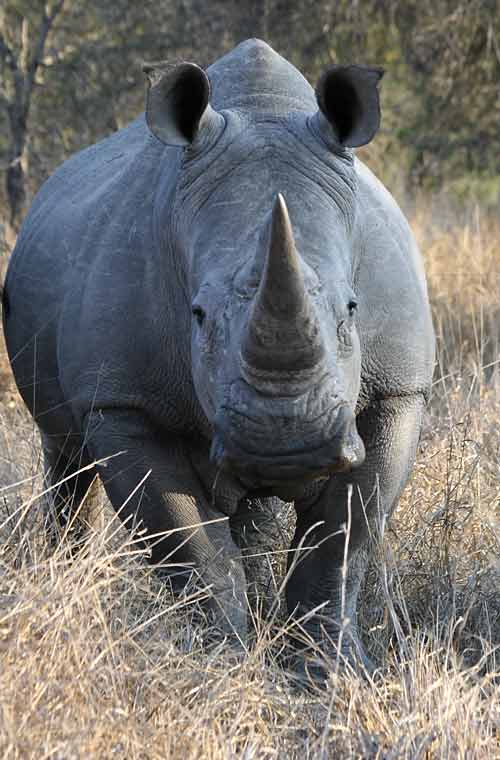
(227, 604)
(316, 659)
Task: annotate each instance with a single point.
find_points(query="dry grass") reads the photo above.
(97, 659)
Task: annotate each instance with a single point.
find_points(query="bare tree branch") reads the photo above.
(48, 19)
(8, 54)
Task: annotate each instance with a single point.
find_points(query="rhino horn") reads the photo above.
(283, 332)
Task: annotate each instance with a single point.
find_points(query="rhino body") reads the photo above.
(222, 292)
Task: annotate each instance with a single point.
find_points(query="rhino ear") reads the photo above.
(349, 101)
(177, 106)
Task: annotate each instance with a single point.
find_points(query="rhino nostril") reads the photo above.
(352, 449)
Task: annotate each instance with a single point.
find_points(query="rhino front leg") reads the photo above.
(69, 483)
(390, 429)
(153, 482)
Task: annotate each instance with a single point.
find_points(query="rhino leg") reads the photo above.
(390, 429)
(153, 486)
(258, 531)
(68, 486)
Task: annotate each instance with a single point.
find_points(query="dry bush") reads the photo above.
(98, 659)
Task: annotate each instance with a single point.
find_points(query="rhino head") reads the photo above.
(263, 219)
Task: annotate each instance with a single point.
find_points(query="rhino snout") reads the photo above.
(259, 455)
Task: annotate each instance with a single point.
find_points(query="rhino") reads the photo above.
(219, 305)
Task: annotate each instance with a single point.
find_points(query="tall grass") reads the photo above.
(98, 659)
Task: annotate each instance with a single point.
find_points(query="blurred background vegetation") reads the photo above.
(70, 73)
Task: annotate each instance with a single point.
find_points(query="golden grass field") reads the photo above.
(98, 660)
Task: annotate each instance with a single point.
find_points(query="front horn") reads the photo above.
(283, 333)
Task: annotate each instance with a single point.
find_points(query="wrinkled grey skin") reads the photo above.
(238, 305)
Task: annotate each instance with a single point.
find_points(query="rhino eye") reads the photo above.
(352, 306)
(198, 314)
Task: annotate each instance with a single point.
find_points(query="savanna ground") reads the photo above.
(97, 659)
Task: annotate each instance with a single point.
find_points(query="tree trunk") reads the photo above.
(23, 67)
(16, 170)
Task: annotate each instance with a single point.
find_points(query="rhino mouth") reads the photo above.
(259, 466)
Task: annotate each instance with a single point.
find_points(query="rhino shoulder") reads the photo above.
(383, 223)
(91, 168)
(395, 322)
(91, 197)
